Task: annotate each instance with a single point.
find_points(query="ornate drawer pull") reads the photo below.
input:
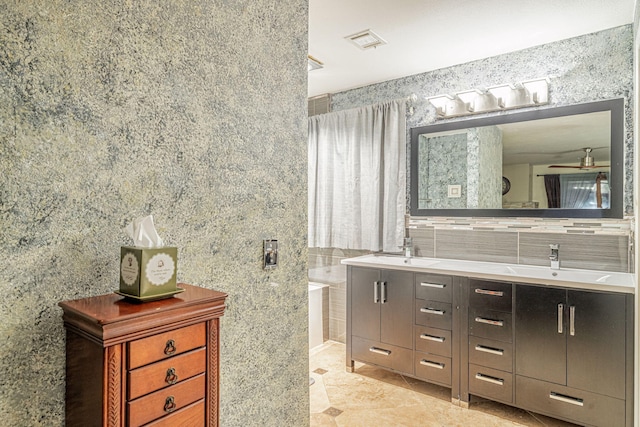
(170, 404)
(170, 347)
(171, 377)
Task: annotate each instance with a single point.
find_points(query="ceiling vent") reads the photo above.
(366, 39)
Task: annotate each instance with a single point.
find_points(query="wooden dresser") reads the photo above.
(154, 363)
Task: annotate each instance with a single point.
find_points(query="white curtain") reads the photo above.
(357, 178)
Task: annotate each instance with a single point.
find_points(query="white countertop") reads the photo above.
(565, 277)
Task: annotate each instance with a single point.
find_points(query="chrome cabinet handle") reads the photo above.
(490, 350)
(432, 285)
(566, 399)
(432, 311)
(376, 298)
(489, 379)
(380, 351)
(383, 292)
(489, 292)
(560, 316)
(489, 321)
(431, 338)
(432, 364)
(572, 320)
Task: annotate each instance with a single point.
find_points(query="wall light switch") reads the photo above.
(270, 254)
(454, 191)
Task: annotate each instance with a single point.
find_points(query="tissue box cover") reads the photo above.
(148, 272)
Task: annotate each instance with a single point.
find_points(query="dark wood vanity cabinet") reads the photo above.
(574, 354)
(379, 323)
(566, 353)
(153, 364)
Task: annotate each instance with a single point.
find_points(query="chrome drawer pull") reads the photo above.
(431, 338)
(566, 399)
(170, 347)
(572, 320)
(171, 377)
(376, 298)
(489, 379)
(380, 351)
(491, 350)
(489, 321)
(170, 404)
(383, 292)
(560, 316)
(432, 285)
(489, 292)
(431, 311)
(432, 364)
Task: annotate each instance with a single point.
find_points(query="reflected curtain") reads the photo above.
(357, 178)
(552, 187)
(578, 191)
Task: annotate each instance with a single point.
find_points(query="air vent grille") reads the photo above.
(366, 39)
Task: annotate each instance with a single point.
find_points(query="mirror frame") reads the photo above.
(616, 169)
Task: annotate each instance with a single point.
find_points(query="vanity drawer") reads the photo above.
(495, 325)
(490, 295)
(162, 374)
(433, 368)
(569, 403)
(490, 353)
(434, 287)
(161, 346)
(165, 401)
(434, 314)
(432, 340)
(192, 415)
(491, 383)
(386, 355)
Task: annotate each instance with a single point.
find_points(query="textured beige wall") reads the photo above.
(193, 111)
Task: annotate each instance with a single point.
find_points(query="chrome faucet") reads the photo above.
(555, 256)
(408, 247)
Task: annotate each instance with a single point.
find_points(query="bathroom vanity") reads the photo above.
(153, 363)
(559, 343)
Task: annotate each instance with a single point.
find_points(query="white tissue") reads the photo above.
(144, 233)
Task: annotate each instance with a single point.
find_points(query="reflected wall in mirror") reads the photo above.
(555, 162)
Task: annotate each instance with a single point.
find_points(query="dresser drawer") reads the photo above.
(433, 368)
(434, 287)
(161, 346)
(490, 295)
(432, 340)
(491, 383)
(434, 314)
(165, 401)
(192, 415)
(495, 325)
(381, 354)
(490, 353)
(167, 372)
(564, 402)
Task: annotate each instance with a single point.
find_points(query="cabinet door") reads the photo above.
(396, 323)
(596, 343)
(365, 309)
(541, 343)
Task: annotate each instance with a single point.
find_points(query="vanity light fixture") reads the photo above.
(313, 63)
(501, 97)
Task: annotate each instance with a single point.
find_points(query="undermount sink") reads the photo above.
(399, 260)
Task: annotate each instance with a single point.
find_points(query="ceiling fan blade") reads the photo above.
(579, 167)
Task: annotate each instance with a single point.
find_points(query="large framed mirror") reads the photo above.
(562, 162)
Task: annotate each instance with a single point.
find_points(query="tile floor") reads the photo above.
(374, 397)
